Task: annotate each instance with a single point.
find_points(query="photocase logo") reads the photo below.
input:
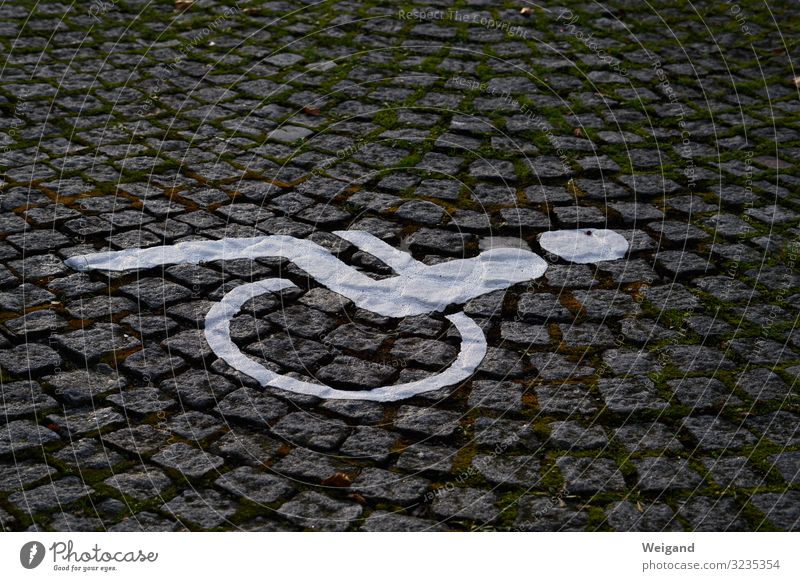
(31, 554)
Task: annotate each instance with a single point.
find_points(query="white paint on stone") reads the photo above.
(417, 289)
(585, 246)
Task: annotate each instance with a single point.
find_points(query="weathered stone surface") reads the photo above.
(314, 511)
(252, 406)
(370, 443)
(590, 475)
(384, 486)
(780, 509)
(540, 514)
(29, 360)
(19, 435)
(307, 430)
(206, 509)
(660, 474)
(189, 461)
(713, 514)
(427, 421)
(466, 504)
(50, 496)
(140, 483)
(247, 482)
(381, 521)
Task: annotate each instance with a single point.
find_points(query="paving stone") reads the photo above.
(353, 372)
(251, 406)
(427, 422)
(85, 420)
(788, 464)
(88, 453)
(508, 470)
(466, 504)
(314, 511)
(309, 466)
(571, 435)
(92, 343)
(628, 517)
(141, 483)
(146, 522)
(19, 435)
(189, 461)
(155, 292)
(726, 288)
(781, 427)
(566, 398)
(29, 360)
(673, 296)
(625, 396)
(384, 486)
(590, 475)
(246, 482)
(681, 263)
(361, 412)
(697, 358)
(23, 474)
(734, 472)
(764, 385)
(24, 398)
(294, 353)
(544, 307)
(142, 400)
(381, 521)
(356, 338)
(587, 334)
(307, 430)
(50, 496)
(138, 440)
(370, 443)
(713, 514)
(74, 523)
(207, 509)
(438, 241)
(659, 474)
(565, 276)
(243, 446)
(420, 212)
(424, 352)
(36, 323)
(600, 304)
(639, 437)
(502, 396)
(198, 389)
(782, 510)
(713, 432)
(500, 434)
(702, 392)
(194, 425)
(421, 458)
(502, 363)
(628, 362)
(100, 307)
(152, 364)
(548, 514)
(552, 366)
(229, 166)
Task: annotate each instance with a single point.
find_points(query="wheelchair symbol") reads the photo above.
(415, 290)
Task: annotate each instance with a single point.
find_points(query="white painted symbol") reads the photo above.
(417, 289)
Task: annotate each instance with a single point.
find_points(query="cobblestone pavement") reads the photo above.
(654, 393)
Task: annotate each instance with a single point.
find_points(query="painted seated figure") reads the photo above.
(415, 290)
